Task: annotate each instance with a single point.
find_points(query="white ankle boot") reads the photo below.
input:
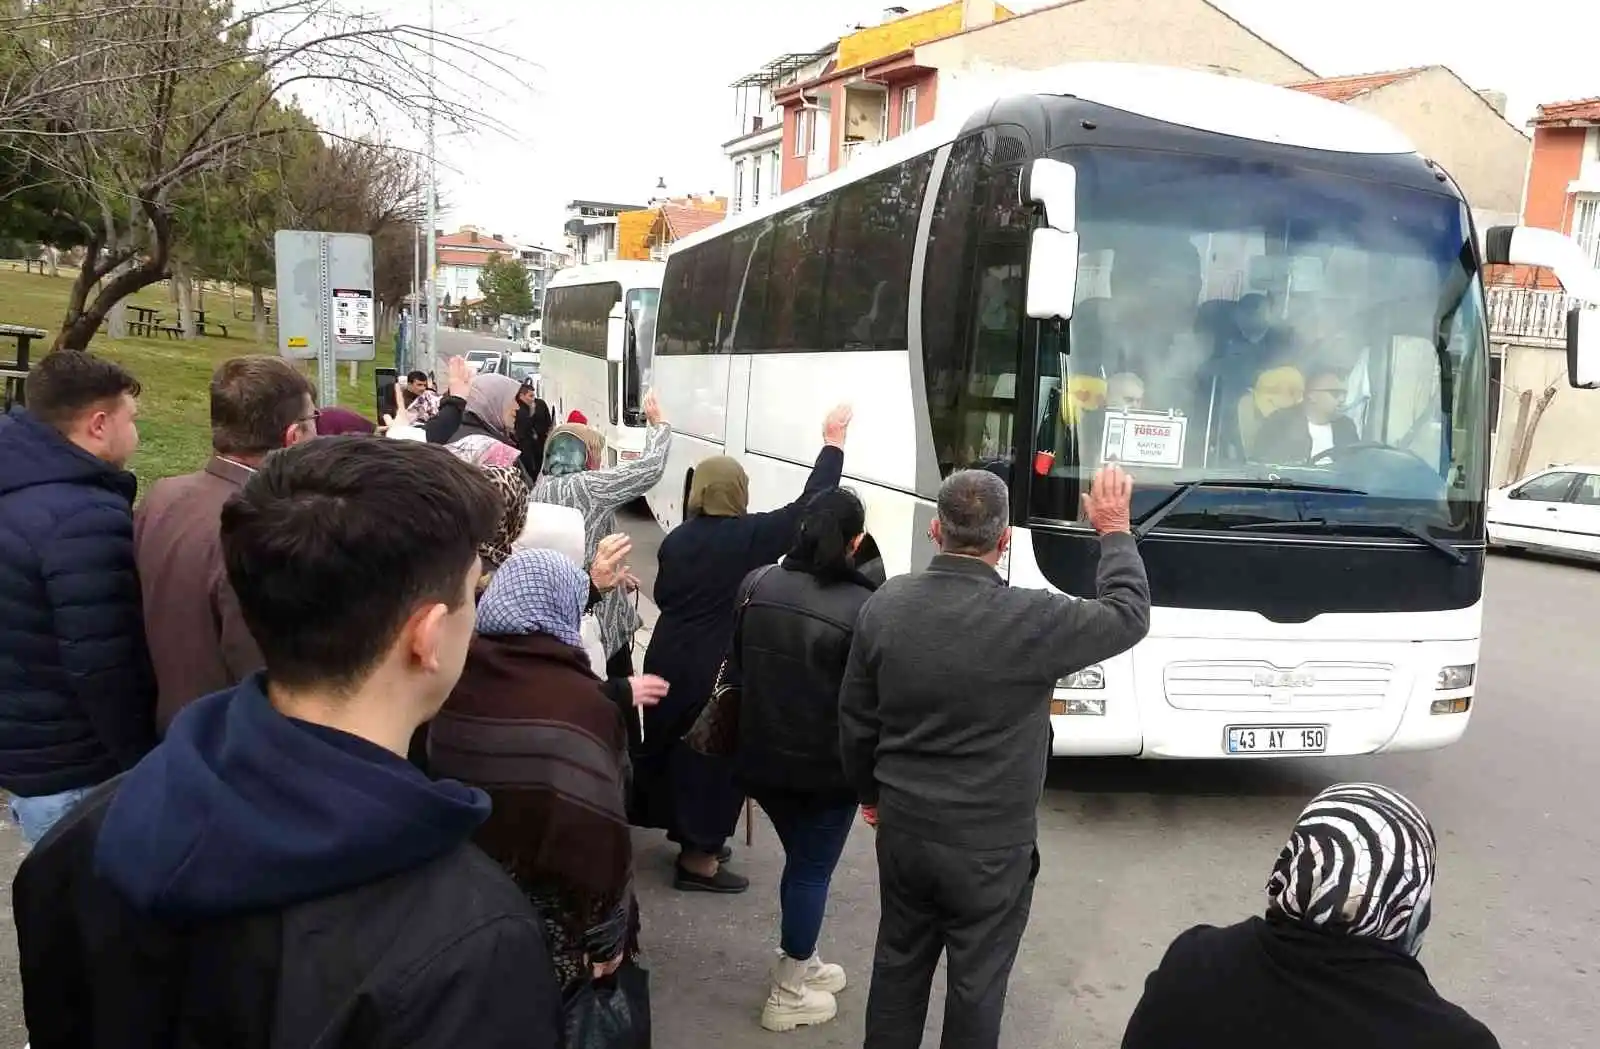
(823, 976)
(793, 1001)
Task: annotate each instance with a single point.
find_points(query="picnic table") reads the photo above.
(145, 320)
(16, 371)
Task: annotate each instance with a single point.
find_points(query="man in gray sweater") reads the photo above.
(944, 719)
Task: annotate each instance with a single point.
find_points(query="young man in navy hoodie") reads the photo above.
(275, 873)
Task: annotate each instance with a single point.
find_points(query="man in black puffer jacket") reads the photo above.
(77, 698)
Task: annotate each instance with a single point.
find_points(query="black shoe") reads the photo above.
(724, 882)
(726, 854)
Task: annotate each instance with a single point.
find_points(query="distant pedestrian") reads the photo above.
(1348, 903)
(945, 726)
(77, 698)
(791, 642)
(702, 563)
(415, 402)
(275, 872)
(574, 476)
(198, 637)
(533, 426)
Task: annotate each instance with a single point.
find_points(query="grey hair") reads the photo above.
(973, 509)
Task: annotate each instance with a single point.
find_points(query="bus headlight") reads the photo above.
(1456, 677)
(1089, 677)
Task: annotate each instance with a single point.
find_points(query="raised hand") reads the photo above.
(1107, 504)
(836, 427)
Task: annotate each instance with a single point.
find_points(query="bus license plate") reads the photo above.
(1277, 739)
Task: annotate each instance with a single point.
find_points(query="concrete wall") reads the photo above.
(1185, 33)
(1451, 123)
(1569, 431)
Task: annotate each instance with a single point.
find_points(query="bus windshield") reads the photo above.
(1238, 320)
(639, 309)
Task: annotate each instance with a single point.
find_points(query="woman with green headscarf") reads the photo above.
(702, 562)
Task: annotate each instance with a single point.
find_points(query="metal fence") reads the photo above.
(1529, 313)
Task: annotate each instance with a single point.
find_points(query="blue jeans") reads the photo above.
(813, 837)
(37, 815)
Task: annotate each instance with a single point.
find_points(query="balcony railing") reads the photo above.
(854, 148)
(1528, 313)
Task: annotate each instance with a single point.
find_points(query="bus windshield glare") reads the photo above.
(1240, 320)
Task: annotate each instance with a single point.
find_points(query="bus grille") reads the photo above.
(1247, 685)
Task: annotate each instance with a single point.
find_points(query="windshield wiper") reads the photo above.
(1321, 524)
(1158, 513)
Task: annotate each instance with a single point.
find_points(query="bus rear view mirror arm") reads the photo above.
(1053, 248)
(616, 334)
(1557, 252)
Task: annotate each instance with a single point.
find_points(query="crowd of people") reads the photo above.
(340, 741)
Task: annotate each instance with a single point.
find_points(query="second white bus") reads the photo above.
(599, 329)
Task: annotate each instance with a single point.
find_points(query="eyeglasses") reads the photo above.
(1337, 392)
(313, 417)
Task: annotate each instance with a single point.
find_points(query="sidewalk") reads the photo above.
(641, 641)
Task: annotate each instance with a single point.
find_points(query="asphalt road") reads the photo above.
(454, 343)
(1134, 852)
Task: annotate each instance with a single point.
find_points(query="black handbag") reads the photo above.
(715, 732)
(610, 1013)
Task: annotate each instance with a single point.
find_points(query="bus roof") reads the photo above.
(1204, 101)
(627, 274)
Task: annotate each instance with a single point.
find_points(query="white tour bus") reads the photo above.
(599, 328)
(1141, 264)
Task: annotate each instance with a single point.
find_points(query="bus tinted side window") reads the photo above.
(672, 322)
(799, 268)
(874, 232)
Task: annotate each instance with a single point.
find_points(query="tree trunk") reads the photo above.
(53, 257)
(183, 297)
(258, 309)
(1529, 412)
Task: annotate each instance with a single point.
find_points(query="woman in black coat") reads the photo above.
(701, 564)
(791, 643)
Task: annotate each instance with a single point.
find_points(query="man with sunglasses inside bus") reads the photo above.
(1297, 435)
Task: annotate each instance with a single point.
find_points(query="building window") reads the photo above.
(755, 182)
(774, 173)
(804, 131)
(738, 186)
(908, 109)
(1586, 225)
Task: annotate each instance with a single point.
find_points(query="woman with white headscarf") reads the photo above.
(1333, 964)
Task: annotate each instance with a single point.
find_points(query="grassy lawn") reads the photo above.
(174, 412)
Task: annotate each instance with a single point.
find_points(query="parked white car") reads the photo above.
(1556, 510)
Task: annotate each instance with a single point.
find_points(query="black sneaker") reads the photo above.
(724, 882)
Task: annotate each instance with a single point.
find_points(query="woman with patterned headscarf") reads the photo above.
(512, 485)
(1333, 964)
(529, 723)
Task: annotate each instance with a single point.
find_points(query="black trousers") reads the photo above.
(970, 905)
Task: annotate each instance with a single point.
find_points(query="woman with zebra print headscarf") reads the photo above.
(1333, 964)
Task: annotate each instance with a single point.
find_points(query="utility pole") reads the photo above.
(432, 357)
(414, 329)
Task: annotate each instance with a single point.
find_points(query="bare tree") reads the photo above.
(133, 104)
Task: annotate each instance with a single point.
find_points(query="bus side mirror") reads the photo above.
(1052, 274)
(1053, 248)
(616, 333)
(1583, 347)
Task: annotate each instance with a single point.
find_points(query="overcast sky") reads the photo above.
(615, 94)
